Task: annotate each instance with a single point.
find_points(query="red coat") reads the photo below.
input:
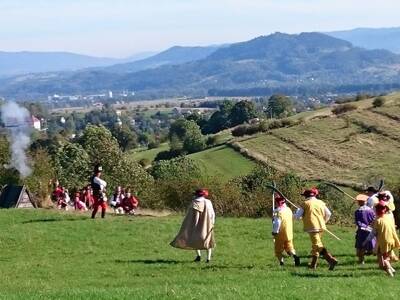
(130, 203)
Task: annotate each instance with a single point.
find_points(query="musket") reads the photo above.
(339, 189)
(381, 185)
(280, 193)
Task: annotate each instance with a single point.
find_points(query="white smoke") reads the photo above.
(17, 120)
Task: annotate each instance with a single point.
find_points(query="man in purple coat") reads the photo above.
(364, 216)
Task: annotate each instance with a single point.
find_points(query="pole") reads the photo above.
(332, 234)
(273, 199)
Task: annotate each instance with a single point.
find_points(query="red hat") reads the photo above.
(308, 193)
(383, 196)
(201, 193)
(315, 190)
(279, 197)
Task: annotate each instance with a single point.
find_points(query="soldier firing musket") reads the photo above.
(98, 186)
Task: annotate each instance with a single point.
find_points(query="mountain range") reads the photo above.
(275, 63)
(371, 38)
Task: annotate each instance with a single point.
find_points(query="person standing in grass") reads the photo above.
(197, 230)
(282, 230)
(387, 240)
(98, 186)
(364, 216)
(315, 214)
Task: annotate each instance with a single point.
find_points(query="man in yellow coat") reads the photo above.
(282, 230)
(315, 214)
(386, 237)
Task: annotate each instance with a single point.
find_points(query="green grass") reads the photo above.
(47, 255)
(150, 154)
(223, 162)
(341, 149)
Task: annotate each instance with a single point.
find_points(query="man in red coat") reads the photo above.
(129, 203)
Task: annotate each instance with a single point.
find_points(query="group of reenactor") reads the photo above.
(376, 230)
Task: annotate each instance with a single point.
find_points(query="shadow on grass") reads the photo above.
(150, 261)
(54, 220)
(333, 274)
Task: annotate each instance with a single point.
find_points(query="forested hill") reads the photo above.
(275, 63)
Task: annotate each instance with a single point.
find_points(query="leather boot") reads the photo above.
(313, 263)
(103, 213)
(330, 259)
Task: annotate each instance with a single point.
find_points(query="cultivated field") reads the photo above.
(348, 149)
(222, 162)
(49, 255)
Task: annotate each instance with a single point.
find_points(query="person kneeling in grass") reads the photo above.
(387, 240)
(282, 230)
(197, 230)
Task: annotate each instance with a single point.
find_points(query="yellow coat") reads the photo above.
(386, 236)
(314, 215)
(286, 230)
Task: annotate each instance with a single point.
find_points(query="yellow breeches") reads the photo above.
(283, 245)
(316, 243)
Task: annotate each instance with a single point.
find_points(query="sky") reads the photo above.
(120, 28)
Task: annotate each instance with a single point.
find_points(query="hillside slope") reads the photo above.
(350, 149)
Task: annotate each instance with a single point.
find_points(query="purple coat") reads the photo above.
(364, 216)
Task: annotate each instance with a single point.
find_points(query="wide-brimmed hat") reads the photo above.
(361, 197)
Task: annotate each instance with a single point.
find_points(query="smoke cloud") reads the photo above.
(17, 121)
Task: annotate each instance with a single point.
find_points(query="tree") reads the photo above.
(73, 166)
(43, 173)
(127, 139)
(188, 134)
(176, 169)
(280, 106)
(242, 112)
(378, 102)
(102, 148)
(220, 119)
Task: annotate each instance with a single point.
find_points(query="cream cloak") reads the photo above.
(197, 232)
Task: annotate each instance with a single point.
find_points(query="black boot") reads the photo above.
(103, 213)
(198, 258)
(296, 260)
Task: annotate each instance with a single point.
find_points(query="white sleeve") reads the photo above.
(276, 224)
(328, 214)
(299, 213)
(100, 182)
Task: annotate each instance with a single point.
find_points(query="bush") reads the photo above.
(343, 108)
(144, 162)
(378, 102)
(176, 169)
(240, 130)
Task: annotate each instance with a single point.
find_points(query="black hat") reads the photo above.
(98, 168)
(371, 189)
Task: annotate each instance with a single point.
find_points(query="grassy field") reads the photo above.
(223, 162)
(150, 154)
(47, 255)
(348, 149)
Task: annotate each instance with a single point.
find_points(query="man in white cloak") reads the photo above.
(197, 230)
